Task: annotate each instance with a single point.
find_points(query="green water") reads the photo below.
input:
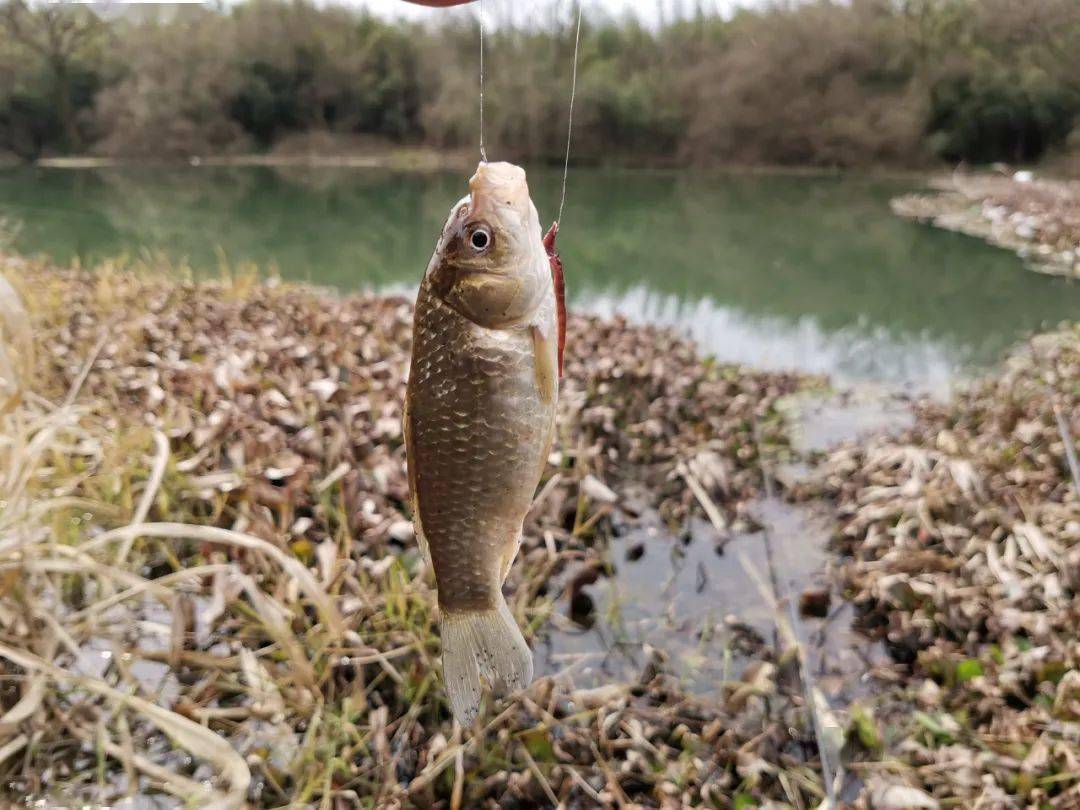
(813, 273)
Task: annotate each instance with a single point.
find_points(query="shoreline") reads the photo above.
(404, 159)
(278, 412)
(428, 159)
(1038, 219)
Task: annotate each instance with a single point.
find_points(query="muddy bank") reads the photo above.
(1037, 218)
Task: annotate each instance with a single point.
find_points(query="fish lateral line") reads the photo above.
(559, 280)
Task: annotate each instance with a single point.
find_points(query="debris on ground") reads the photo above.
(211, 591)
(211, 588)
(962, 546)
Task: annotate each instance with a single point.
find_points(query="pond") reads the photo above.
(777, 271)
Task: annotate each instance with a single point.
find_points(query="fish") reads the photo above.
(479, 420)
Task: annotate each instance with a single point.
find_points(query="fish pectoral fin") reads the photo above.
(508, 560)
(421, 540)
(545, 361)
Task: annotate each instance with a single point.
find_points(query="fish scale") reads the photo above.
(475, 398)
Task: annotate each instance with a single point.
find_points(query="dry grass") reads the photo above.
(210, 588)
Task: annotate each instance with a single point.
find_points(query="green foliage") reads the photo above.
(52, 63)
(866, 727)
(968, 669)
(1013, 91)
(819, 82)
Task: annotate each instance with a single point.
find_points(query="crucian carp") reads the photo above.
(488, 331)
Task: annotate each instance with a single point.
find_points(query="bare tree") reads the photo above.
(58, 34)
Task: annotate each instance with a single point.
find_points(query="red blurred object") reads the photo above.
(438, 3)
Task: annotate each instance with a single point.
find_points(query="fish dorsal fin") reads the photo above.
(560, 288)
(414, 490)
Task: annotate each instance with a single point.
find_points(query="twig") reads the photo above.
(153, 483)
(770, 493)
(714, 514)
(581, 783)
(767, 594)
(547, 489)
(459, 771)
(377, 656)
(809, 690)
(612, 780)
(272, 613)
(13, 747)
(33, 693)
(160, 585)
(192, 658)
(1070, 450)
(84, 372)
(793, 629)
(544, 783)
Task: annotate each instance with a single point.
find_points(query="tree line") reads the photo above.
(865, 82)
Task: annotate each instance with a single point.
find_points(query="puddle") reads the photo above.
(689, 599)
(841, 659)
(818, 421)
(706, 609)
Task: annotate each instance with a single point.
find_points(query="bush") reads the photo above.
(823, 82)
(173, 98)
(1013, 92)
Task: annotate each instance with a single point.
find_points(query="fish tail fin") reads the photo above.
(482, 643)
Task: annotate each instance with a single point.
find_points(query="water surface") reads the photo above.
(813, 273)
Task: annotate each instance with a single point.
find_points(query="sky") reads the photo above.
(649, 11)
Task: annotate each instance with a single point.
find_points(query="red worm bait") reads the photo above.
(560, 287)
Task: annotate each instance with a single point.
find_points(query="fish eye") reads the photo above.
(480, 239)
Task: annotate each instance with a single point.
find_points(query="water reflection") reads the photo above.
(688, 597)
(812, 273)
(862, 351)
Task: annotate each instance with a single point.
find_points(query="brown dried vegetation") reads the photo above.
(963, 537)
(211, 588)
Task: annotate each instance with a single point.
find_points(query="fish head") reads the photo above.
(490, 265)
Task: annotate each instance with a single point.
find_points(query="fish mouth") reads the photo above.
(498, 185)
(481, 272)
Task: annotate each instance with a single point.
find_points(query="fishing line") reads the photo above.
(570, 114)
(570, 117)
(483, 154)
